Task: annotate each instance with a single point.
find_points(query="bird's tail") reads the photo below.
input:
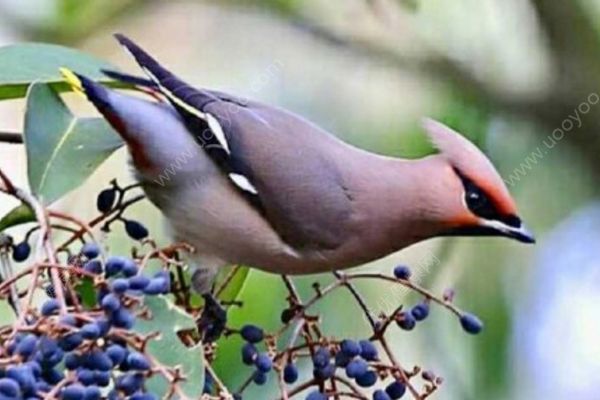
(180, 94)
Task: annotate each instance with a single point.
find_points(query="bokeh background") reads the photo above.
(519, 77)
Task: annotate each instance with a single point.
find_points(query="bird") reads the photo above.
(249, 183)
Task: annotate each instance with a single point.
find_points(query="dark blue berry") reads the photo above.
(350, 348)
(53, 376)
(73, 392)
(471, 323)
(111, 303)
(122, 319)
(135, 230)
(209, 384)
(70, 341)
(114, 265)
(68, 320)
(130, 268)
(92, 393)
(21, 251)
(342, 360)
(106, 200)
(395, 390)
(116, 353)
(321, 357)
(420, 311)
(90, 250)
(93, 267)
(26, 345)
(9, 388)
(367, 379)
(260, 378)
(249, 352)
(86, 376)
(368, 351)
(252, 333)
(138, 361)
(402, 272)
(102, 378)
(98, 360)
(380, 395)
(119, 285)
(24, 377)
(324, 373)
(156, 286)
(263, 362)
(72, 361)
(143, 396)
(138, 282)
(356, 368)
(316, 396)
(103, 325)
(90, 331)
(130, 383)
(290, 373)
(50, 307)
(407, 321)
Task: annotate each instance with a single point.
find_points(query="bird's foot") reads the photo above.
(213, 320)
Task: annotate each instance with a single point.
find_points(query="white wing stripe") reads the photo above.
(243, 183)
(216, 129)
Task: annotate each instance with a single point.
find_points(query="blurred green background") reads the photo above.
(519, 77)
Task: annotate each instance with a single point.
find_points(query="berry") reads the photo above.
(395, 390)
(103, 325)
(116, 353)
(21, 251)
(143, 396)
(111, 303)
(342, 360)
(90, 331)
(93, 267)
(114, 265)
(9, 388)
(50, 307)
(248, 353)
(402, 272)
(26, 346)
(86, 376)
(368, 351)
(316, 396)
(72, 361)
(98, 360)
(260, 378)
(106, 200)
(321, 358)
(138, 282)
(350, 348)
(130, 383)
(71, 341)
(324, 373)
(420, 311)
(252, 334)
(135, 230)
(356, 368)
(138, 361)
(156, 286)
(102, 378)
(380, 395)
(119, 285)
(23, 376)
(122, 319)
(471, 323)
(290, 373)
(90, 250)
(73, 392)
(92, 393)
(367, 379)
(209, 384)
(52, 376)
(129, 268)
(263, 362)
(406, 321)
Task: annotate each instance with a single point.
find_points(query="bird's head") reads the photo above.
(476, 201)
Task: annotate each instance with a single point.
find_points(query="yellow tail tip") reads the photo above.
(72, 80)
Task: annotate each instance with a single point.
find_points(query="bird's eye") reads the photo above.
(478, 202)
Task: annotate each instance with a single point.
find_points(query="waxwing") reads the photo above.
(252, 184)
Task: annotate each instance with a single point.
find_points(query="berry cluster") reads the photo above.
(85, 354)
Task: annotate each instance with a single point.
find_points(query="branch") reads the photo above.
(11, 137)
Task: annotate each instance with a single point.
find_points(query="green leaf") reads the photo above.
(62, 150)
(168, 348)
(86, 289)
(235, 285)
(24, 64)
(17, 216)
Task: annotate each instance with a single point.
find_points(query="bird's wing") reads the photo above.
(274, 158)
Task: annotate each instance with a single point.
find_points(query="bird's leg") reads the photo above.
(213, 320)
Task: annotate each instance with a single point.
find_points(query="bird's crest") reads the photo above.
(470, 162)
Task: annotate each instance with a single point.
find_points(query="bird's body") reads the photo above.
(247, 183)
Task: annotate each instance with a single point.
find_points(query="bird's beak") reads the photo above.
(520, 233)
(494, 228)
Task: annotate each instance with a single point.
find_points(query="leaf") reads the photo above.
(62, 150)
(86, 289)
(24, 64)
(17, 216)
(168, 348)
(235, 285)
